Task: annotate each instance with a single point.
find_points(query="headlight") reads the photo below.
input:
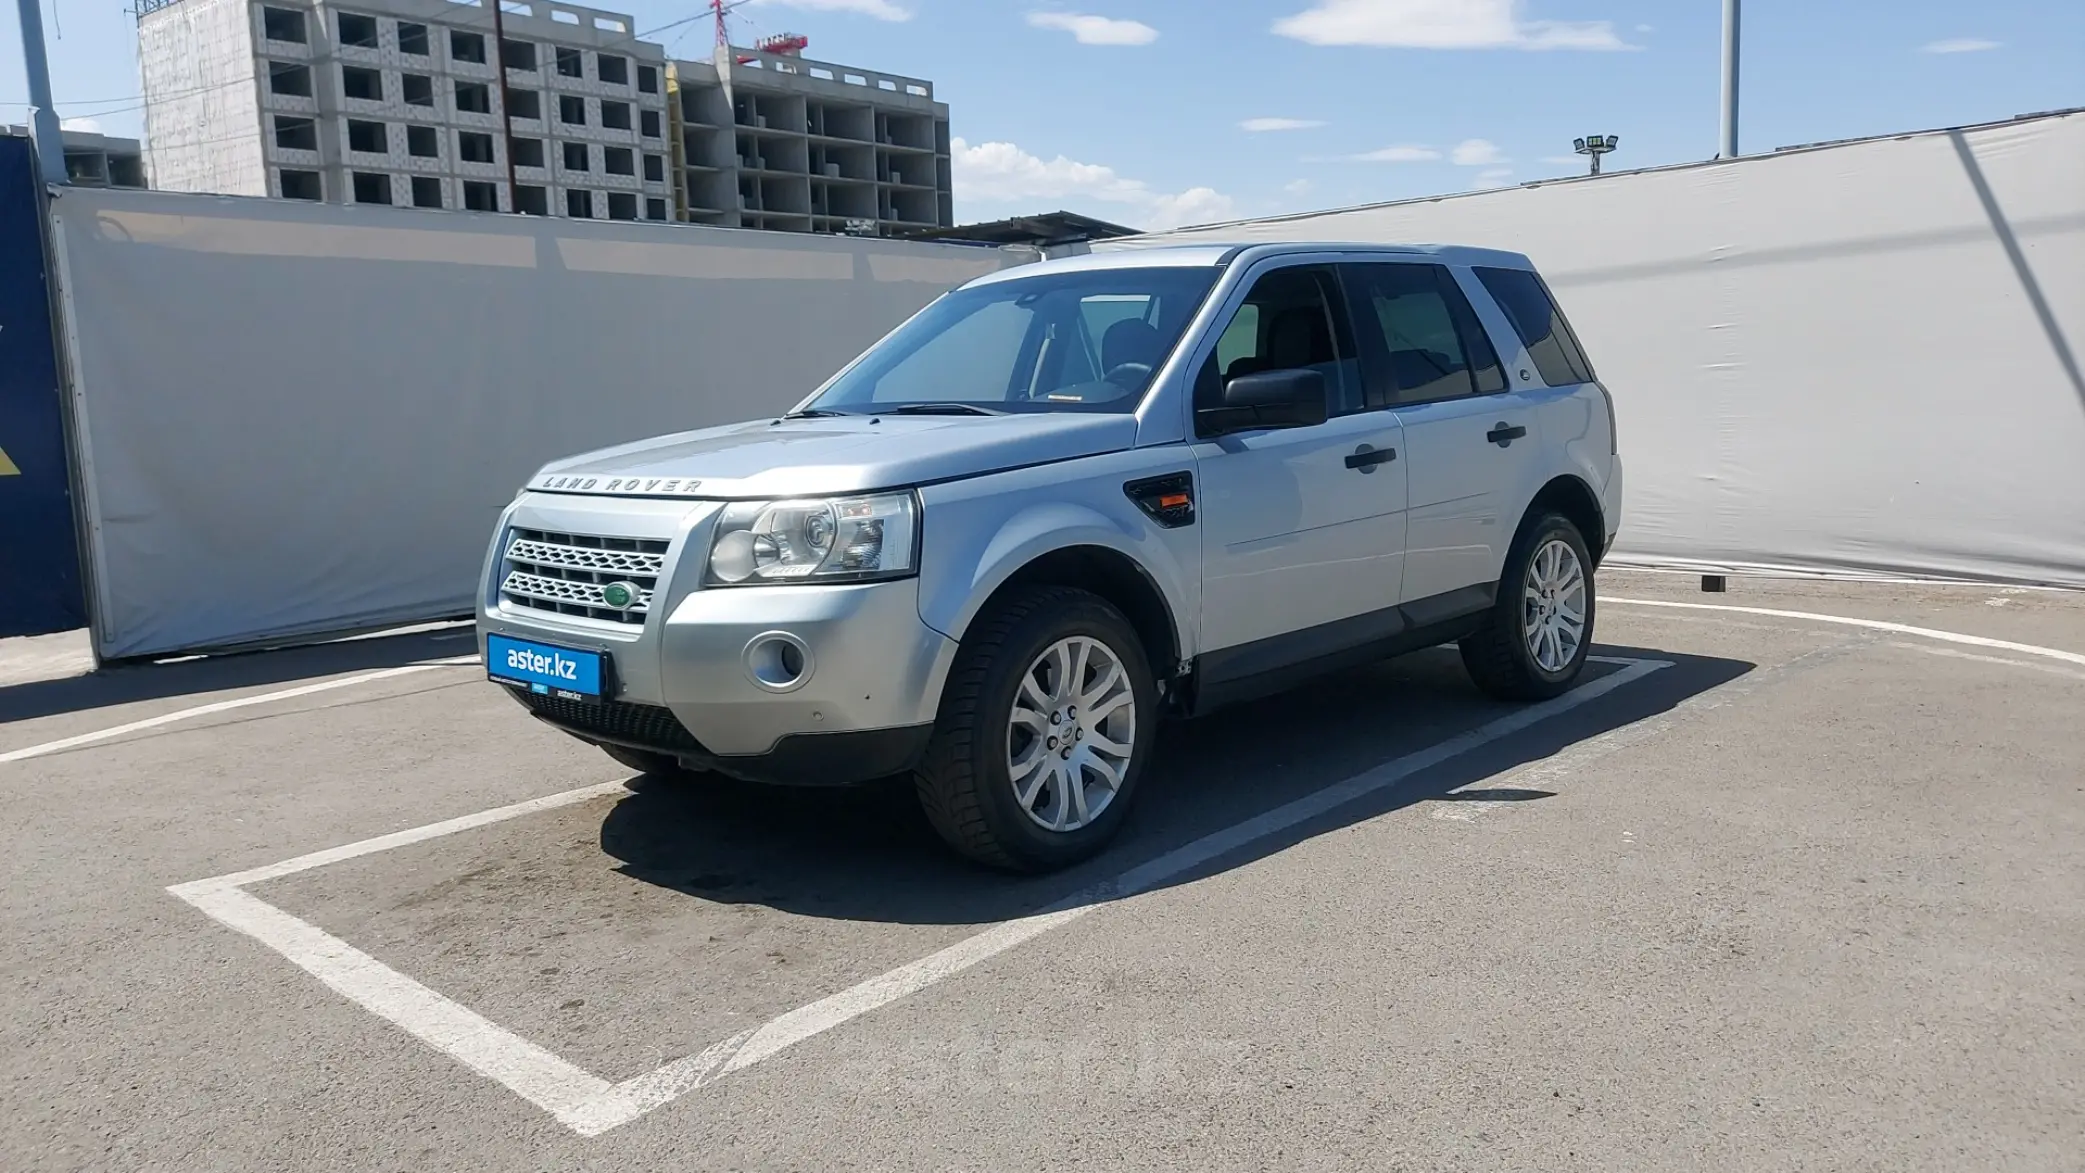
(830, 539)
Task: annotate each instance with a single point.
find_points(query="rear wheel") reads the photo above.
(1533, 644)
(1043, 732)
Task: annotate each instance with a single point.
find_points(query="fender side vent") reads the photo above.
(1168, 500)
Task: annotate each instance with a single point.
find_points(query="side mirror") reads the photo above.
(1265, 399)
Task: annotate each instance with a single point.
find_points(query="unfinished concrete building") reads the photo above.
(405, 102)
(812, 147)
(93, 159)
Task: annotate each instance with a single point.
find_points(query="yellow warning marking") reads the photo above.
(8, 467)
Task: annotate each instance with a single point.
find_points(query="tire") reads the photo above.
(1507, 660)
(992, 720)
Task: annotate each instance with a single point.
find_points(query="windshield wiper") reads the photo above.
(941, 409)
(816, 413)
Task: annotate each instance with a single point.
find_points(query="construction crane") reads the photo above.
(780, 44)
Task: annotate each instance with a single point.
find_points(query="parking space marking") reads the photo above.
(1953, 637)
(189, 714)
(1952, 654)
(590, 1105)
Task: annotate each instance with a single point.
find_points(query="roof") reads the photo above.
(1203, 254)
(1050, 228)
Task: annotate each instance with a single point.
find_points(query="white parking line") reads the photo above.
(63, 743)
(1952, 654)
(590, 1105)
(1953, 637)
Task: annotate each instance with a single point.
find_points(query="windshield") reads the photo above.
(1078, 341)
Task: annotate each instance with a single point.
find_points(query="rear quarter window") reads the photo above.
(1539, 324)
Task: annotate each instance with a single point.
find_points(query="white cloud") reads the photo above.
(880, 9)
(1004, 173)
(84, 125)
(1404, 154)
(1643, 28)
(1262, 125)
(1299, 187)
(1477, 152)
(1095, 30)
(1498, 177)
(1441, 24)
(1961, 45)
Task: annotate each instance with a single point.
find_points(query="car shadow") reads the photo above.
(129, 682)
(868, 854)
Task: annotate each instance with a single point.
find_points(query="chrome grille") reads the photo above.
(568, 573)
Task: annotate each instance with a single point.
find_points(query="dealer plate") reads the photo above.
(546, 668)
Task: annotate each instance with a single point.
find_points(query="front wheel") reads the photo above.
(1533, 644)
(1044, 730)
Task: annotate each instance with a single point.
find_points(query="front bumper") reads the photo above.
(826, 684)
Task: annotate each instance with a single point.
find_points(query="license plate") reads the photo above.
(546, 668)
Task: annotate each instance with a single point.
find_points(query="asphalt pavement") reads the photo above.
(1768, 891)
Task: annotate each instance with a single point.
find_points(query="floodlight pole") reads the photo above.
(43, 120)
(1729, 149)
(1593, 146)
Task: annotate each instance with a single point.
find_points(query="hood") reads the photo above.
(787, 458)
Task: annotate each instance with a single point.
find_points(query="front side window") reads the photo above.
(1422, 339)
(1540, 324)
(1291, 320)
(1028, 344)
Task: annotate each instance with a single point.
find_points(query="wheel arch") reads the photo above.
(1121, 580)
(1570, 496)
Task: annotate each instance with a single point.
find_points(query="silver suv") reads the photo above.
(1065, 501)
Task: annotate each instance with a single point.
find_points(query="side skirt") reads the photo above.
(1279, 663)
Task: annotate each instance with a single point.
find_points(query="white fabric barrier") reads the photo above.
(1857, 360)
(294, 419)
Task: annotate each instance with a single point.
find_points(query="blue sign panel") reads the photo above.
(39, 559)
(544, 668)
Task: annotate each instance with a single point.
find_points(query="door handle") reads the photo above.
(1366, 457)
(1502, 435)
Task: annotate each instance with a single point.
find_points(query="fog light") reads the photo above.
(778, 661)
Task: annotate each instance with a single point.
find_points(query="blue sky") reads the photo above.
(1144, 111)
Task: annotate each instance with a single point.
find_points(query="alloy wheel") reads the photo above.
(1071, 733)
(1553, 606)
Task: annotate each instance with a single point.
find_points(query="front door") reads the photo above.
(1468, 439)
(1304, 527)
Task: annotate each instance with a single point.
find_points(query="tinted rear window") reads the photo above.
(1540, 324)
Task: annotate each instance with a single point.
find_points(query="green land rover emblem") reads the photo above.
(620, 595)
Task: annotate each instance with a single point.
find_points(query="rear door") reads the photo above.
(1471, 441)
(1304, 527)
(1577, 417)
